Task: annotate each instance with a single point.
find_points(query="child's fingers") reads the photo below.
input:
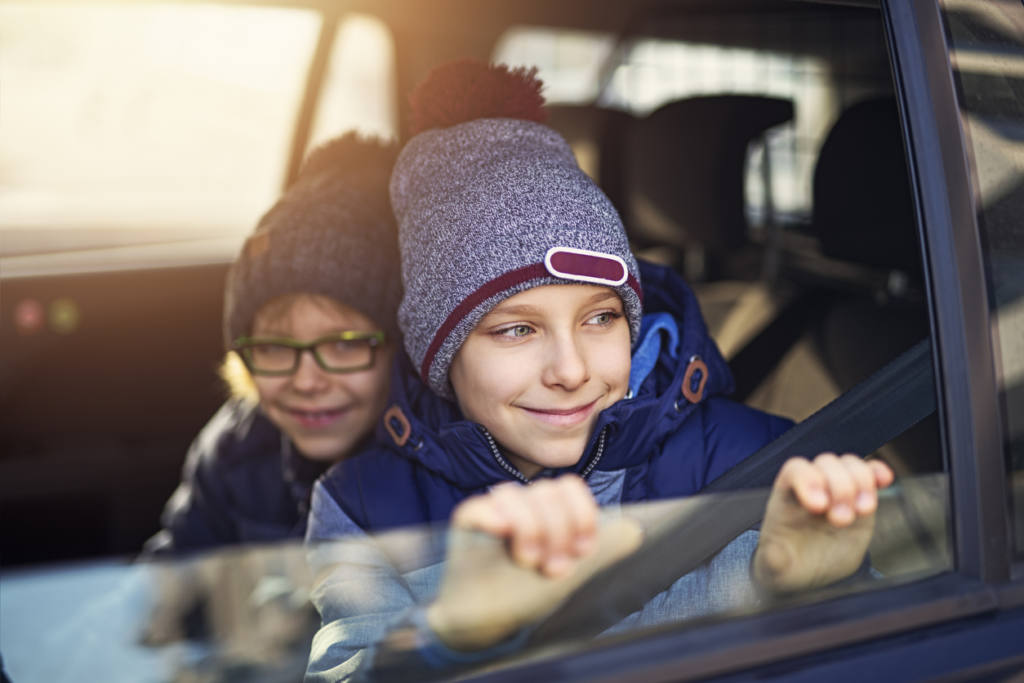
(841, 489)
(480, 513)
(807, 483)
(563, 508)
(548, 524)
(526, 531)
(884, 475)
(571, 521)
(865, 496)
(583, 508)
(555, 523)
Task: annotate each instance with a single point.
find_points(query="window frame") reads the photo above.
(958, 302)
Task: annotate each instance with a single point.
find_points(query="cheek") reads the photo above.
(370, 388)
(269, 391)
(268, 388)
(615, 362)
(483, 388)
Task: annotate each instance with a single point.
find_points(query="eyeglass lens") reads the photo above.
(331, 355)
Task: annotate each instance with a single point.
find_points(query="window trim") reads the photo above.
(967, 388)
(315, 77)
(947, 603)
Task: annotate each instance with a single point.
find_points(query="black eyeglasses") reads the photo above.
(279, 356)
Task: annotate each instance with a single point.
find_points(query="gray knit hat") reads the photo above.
(331, 233)
(490, 207)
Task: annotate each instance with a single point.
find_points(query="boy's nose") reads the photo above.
(566, 365)
(308, 376)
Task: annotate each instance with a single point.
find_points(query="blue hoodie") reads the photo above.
(657, 444)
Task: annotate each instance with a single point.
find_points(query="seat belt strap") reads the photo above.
(885, 405)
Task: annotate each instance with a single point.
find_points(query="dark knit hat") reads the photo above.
(490, 204)
(331, 233)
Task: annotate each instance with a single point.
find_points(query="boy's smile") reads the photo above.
(540, 367)
(564, 417)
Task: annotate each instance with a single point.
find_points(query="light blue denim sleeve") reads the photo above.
(358, 592)
(719, 585)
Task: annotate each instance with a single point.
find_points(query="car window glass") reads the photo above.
(108, 138)
(828, 209)
(987, 55)
(247, 610)
(640, 74)
(795, 297)
(359, 90)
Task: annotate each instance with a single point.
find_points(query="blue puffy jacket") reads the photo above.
(672, 435)
(243, 482)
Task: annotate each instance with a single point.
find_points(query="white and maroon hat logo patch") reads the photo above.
(586, 266)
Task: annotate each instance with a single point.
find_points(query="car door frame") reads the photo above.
(958, 301)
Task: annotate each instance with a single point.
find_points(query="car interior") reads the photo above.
(758, 147)
(790, 214)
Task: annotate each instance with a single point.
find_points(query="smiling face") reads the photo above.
(538, 369)
(324, 413)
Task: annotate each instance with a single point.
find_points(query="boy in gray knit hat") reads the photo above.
(309, 324)
(539, 390)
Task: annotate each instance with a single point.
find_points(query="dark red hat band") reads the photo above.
(580, 269)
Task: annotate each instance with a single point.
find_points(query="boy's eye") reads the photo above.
(604, 318)
(514, 331)
(271, 351)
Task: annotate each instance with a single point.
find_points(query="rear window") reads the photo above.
(155, 124)
(642, 73)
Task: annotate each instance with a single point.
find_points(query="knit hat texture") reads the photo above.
(331, 233)
(480, 206)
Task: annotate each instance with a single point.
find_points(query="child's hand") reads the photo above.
(819, 521)
(541, 542)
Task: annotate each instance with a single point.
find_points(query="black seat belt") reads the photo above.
(885, 405)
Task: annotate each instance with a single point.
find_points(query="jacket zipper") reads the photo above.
(501, 460)
(505, 465)
(597, 456)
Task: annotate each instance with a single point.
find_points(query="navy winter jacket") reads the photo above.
(657, 443)
(243, 482)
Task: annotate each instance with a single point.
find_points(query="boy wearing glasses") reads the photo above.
(309, 324)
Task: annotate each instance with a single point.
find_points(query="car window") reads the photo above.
(107, 106)
(803, 253)
(220, 614)
(988, 61)
(185, 143)
(359, 87)
(639, 74)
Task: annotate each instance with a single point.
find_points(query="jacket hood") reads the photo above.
(674, 344)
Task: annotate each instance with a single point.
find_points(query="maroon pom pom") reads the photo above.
(469, 89)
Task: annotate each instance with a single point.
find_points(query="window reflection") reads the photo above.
(245, 613)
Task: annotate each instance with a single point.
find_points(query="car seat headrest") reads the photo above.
(863, 207)
(685, 163)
